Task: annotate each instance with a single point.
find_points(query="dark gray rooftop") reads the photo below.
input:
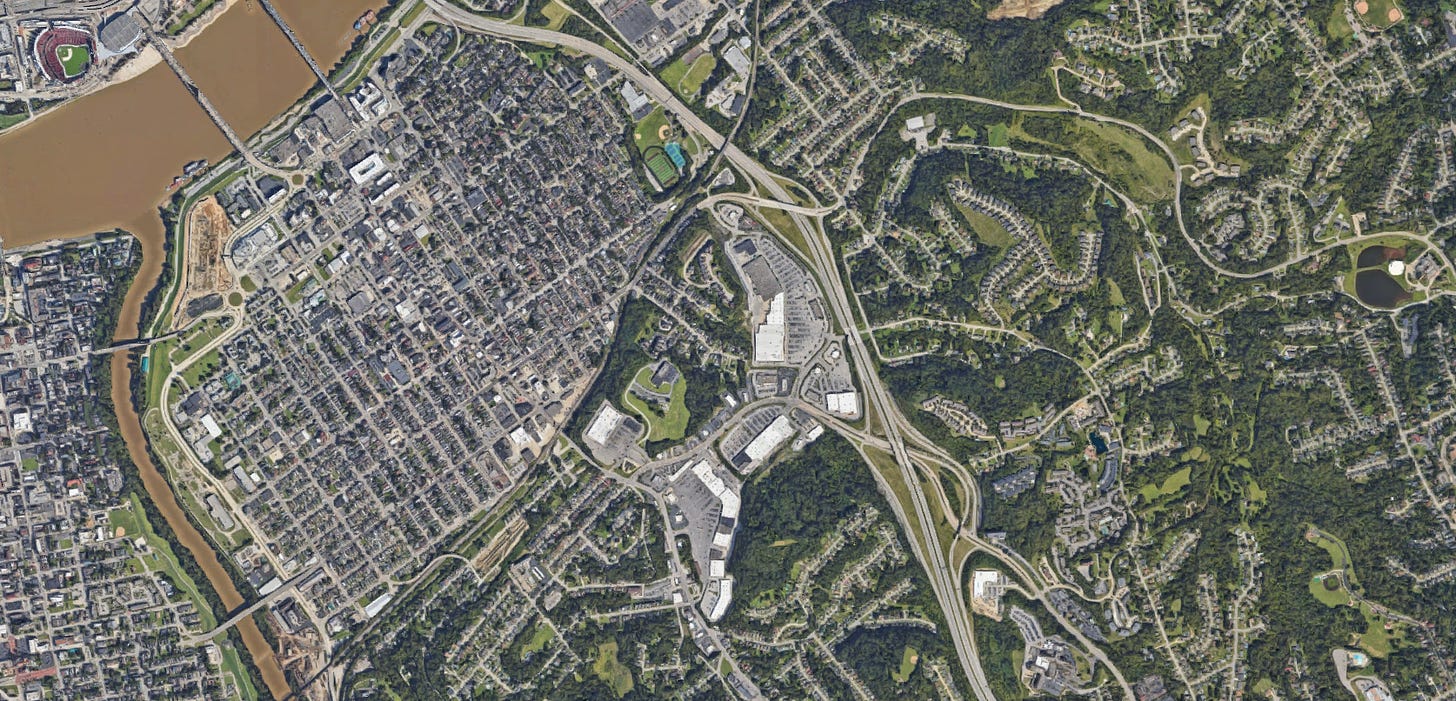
(635, 21)
(120, 33)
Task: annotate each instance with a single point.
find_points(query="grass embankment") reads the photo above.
(233, 664)
(1125, 158)
(10, 120)
(670, 425)
(986, 229)
(409, 15)
(1337, 28)
(360, 69)
(186, 18)
(556, 14)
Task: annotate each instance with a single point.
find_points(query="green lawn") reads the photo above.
(74, 59)
(1170, 486)
(10, 120)
(692, 81)
(1376, 640)
(1115, 295)
(539, 638)
(999, 135)
(673, 73)
(198, 371)
(1255, 493)
(195, 338)
(644, 378)
(233, 664)
(557, 13)
(646, 135)
(158, 368)
(611, 670)
(669, 426)
(988, 230)
(908, 661)
(1337, 28)
(1125, 158)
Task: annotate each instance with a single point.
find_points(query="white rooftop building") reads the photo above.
(842, 403)
(209, 424)
(607, 420)
(737, 59)
(636, 100)
(716, 606)
(366, 170)
(769, 439)
(769, 338)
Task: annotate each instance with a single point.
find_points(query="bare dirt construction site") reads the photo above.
(1029, 9)
(299, 654)
(204, 277)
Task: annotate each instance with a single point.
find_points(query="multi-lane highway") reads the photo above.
(820, 258)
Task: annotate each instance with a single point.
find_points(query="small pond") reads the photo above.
(1377, 288)
(1378, 255)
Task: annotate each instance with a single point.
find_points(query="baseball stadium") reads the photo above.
(63, 53)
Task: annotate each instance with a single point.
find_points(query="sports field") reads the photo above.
(1379, 13)
(661, 166)
(651, 131)
(74, 59)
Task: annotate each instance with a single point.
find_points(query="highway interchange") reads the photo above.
(821, 262)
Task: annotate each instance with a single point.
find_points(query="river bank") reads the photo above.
(104, 161)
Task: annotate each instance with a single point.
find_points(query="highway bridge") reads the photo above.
(130, 343)
(288, 588)
(237, 141)
(308, 58)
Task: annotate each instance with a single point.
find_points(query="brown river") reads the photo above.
(104, 161)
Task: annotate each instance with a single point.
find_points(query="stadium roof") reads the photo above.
(120, 33)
